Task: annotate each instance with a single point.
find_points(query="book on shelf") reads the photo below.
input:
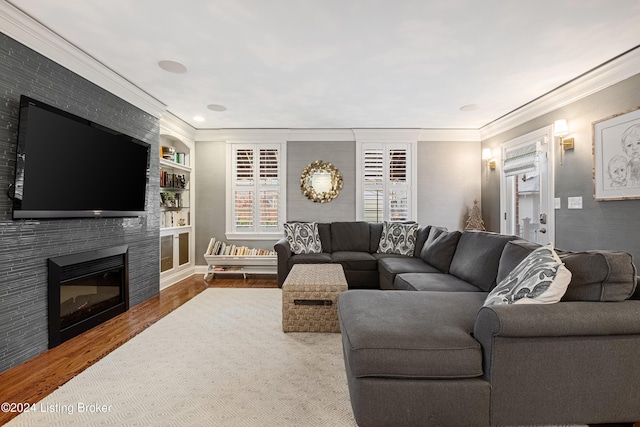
(219, 247)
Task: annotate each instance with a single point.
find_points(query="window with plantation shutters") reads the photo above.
(256, 190)
(386, 182)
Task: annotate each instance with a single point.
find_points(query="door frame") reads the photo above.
(547, 178)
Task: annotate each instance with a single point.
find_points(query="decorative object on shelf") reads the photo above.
(616, 148)
(321, 182)
(167, 199)
(475, 221)
(167, 153)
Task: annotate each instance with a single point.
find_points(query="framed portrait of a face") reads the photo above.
(616, 156)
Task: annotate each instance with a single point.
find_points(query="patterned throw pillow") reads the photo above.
(540, 278)
(303, 237)
(398, 238)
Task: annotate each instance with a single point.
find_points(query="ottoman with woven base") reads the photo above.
(310, 298)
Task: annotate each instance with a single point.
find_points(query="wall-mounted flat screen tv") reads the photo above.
(70, 167)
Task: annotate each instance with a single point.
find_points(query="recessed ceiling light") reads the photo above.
(173, 67)
(469, 107)
(198, 119)
(216, 107)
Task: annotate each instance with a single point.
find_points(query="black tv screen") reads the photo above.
(70, 167)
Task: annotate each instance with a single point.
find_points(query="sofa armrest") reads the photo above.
(283, 250)
(499, 324)
(543, 356)
(558, 320)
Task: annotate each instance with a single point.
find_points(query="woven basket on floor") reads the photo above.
(310, 298)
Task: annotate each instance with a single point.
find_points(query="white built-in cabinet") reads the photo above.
(177, 244)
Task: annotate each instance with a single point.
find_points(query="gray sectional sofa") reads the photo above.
(428, 352)
(354, 245)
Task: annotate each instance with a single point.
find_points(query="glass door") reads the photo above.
(527, 187)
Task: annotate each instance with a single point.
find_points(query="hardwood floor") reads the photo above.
(33, 380)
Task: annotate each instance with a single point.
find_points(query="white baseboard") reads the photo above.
(173, 278)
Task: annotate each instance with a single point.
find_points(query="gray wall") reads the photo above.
(448, 181)
(25, 245)
(343, 156)
(599, 225)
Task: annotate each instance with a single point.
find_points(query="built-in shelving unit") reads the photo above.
(176, 202)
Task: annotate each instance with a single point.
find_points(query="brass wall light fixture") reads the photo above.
(560, 129)
(487, 156)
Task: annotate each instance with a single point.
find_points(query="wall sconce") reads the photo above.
(487, 156)
(560, 129)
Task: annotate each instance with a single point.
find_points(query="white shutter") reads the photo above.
(373, 180)
(243, 193)
(244, 166)
(243, 210)
(269, 189)
(256, 188)
(269, 166)
(386, 182)
(398, 190)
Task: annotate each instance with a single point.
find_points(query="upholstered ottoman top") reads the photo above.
(411, 334)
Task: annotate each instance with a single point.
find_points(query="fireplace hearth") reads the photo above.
(86, 289)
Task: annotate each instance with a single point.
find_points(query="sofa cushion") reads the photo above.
(324, 231)
(599, 275)
(398, 238)
(512, 254)
(440, 282)
(540, 278)
(308, 259)
(389, 266)
(375, 231)
(477, 257)
(410, 334)
(303, 237)
(350, 236)
(421, 236)
(439, 248)
(362, 261)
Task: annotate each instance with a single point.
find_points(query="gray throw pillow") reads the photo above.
(398, 238)
(439, 248)
(303, 237)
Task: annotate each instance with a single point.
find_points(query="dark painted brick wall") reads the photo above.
(25, 245)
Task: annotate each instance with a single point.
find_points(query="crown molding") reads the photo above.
(321, 135)
(339, 135)
(177, 128)
(608, 74)
(386, 135)
(24, 29)
(243, 135)
(449, 135)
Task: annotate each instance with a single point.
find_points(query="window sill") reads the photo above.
(254, 236)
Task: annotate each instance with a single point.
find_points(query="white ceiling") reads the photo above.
(345, 63)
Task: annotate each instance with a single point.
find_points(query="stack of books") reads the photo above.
(218, 247)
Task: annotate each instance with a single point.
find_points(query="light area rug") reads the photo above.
(221, 359)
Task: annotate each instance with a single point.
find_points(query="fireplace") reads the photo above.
(86, 289)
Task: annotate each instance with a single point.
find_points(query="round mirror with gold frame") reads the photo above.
(321, 182)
